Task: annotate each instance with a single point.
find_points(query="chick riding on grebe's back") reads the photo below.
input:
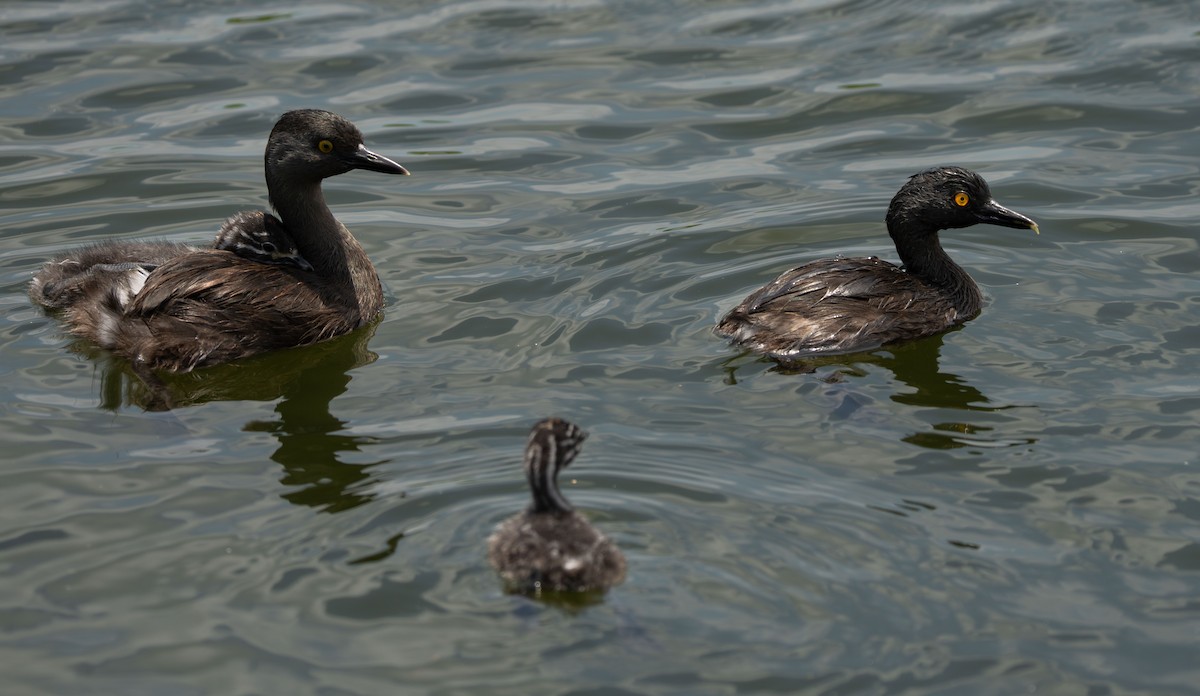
(260, 236)
(846, 305)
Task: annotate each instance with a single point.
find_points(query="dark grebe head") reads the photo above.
(553, 444)
(308, 145)
(947, 198)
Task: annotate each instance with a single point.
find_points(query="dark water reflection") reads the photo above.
(303, 382)
(916, 366)
(292, 374)
(312, 439)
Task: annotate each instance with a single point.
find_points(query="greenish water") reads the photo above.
(1013, 507)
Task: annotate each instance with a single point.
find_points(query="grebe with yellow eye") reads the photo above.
(171, 307)
(846, 305)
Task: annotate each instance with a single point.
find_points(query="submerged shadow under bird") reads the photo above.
(550, 547)
(847, 305)
(267, 282)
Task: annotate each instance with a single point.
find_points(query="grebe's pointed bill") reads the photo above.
(362, 158)
(995, 214)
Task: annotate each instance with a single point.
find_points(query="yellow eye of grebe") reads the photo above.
(327, 147)
(961, 199)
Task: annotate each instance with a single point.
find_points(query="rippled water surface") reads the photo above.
(1012, 507)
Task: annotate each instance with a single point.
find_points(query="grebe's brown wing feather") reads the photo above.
(837, 277)
(838, 305)
(212, 306)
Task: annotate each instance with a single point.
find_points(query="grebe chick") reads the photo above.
(846, 305)
(198, 307)
(550, 546)
(260, 236)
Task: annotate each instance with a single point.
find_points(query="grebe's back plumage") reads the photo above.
(198, 307)
(844, 305)
(70, 278)
(550, 546)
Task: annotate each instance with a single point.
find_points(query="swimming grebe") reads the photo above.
(173, 307)
(550, 546)
(845, 305)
